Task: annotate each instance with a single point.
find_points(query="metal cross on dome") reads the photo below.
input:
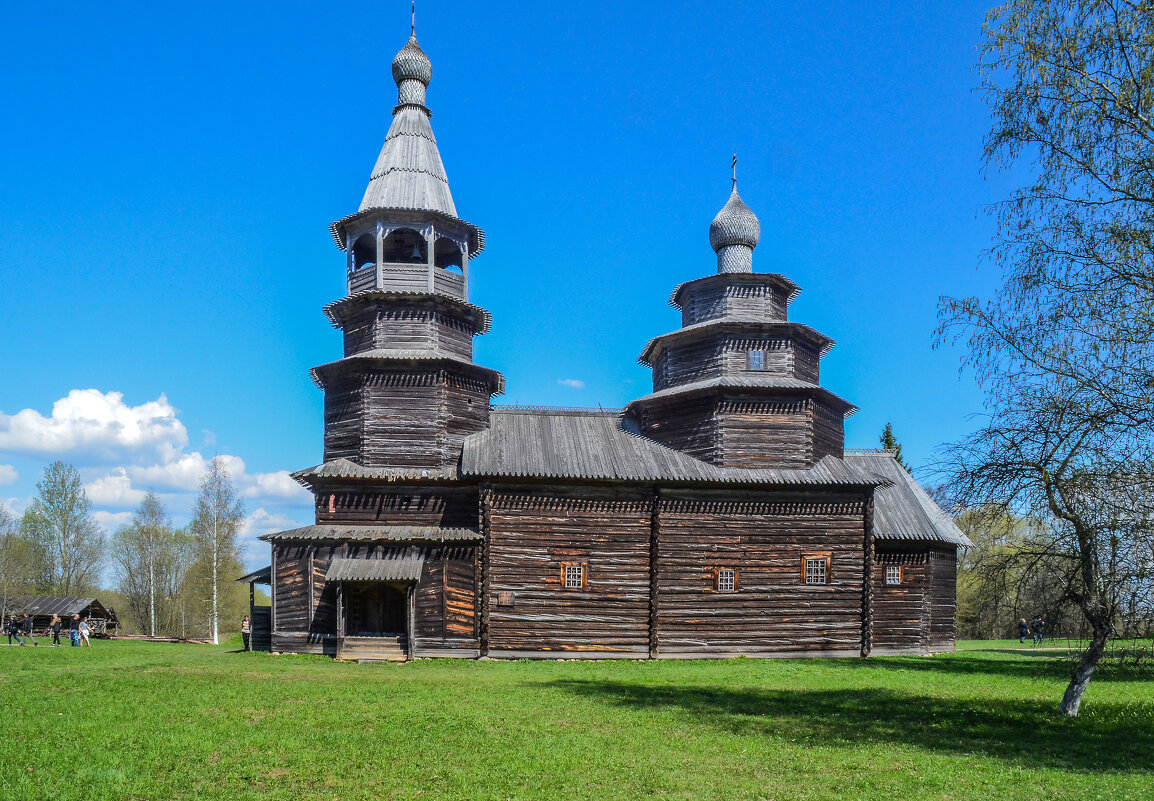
(732, 166)
(413, 24)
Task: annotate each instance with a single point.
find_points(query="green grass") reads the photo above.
(134, 720)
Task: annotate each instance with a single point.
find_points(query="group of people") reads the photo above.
(1036, 629)
(78, 631)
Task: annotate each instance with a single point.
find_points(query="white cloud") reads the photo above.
(114, 489)
(92, 424)
(572, 383)
(278, 485)
(110, 521)
(8, 474)
(261, 522)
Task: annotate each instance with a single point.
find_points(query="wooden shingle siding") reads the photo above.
(773, 612)
(532, 534)
(449, 507)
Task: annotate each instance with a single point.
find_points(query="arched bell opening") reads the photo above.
(406, 246)
(447, 255)
(364, 251)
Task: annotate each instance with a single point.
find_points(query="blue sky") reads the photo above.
(168, 174)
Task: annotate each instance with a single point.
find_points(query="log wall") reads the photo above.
(900, 622)
(533, 533)
(759, 433)
(709, 302)
(389, 325)
(764, 540)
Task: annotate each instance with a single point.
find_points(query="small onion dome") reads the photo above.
(735, 224)
(411, 64)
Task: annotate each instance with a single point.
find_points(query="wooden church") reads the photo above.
(719, 515)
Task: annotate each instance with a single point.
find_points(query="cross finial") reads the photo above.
(732, 166)
(413, 24)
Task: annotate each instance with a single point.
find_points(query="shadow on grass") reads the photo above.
(1022, 665)
(1029, 734)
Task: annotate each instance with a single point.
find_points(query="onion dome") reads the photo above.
(734, 234)
(411, 64)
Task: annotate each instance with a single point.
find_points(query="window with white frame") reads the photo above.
(815, 569)
(756, 360)
(893, 574)
(573, 575)
(726, 579)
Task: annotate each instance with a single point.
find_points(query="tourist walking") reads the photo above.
(14, 630)
(74, 630)
(1039, 629)
(1023, 630)
(84, 631)
(26, 627)
(245, 631)
(55, 626)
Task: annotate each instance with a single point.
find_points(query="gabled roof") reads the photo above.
(903, 510)
(401, 566)
(56, 605)
(262, 576)
(597, 445)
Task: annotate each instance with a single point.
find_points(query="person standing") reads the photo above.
(74, 630)
(246, 631)
(55, 626)
(84, 631)
(1039, 627)
(14, 630)
(1023, 630)
(26, 627)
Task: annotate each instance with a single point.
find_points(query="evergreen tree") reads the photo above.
(890, 443)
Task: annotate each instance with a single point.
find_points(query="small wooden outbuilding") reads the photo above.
(102, 620)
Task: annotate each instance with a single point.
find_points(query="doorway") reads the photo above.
(375, 609)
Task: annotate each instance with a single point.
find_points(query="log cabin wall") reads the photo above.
(687, 361)
(344, 418)
(304, 618)
(463, 410)
(900, 620)
(756, 432)
(390, 324)
(400, 427)
(445, 603)
(713, 299)
(685, 424)
(764, 540)
(534, 534)
(943, 599)
(828, 431)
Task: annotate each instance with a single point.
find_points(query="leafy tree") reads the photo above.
(17, 564)
(67, 541)
(216, 521)
(890, 443)
(1065, 349)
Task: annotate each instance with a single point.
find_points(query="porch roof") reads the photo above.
(403, 567)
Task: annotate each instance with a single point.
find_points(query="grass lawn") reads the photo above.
(134, 720)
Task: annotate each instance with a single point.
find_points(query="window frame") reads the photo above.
(899, 570)
(749, 359)
(717, 587)
(825, 557)
(583, 567)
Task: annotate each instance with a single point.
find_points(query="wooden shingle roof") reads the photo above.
(598, 445)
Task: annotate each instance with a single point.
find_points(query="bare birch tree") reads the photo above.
(1065, 350)
(144, 555)
(216, 521)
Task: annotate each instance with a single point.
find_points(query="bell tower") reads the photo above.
(407, 392)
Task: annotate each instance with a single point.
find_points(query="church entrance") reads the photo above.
(376, 609)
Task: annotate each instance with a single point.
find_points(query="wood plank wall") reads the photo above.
(357, 504)
(943, 599)
(685, 424)
(764, 540)
(758, 433)
(532, 534)
(710, 302)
